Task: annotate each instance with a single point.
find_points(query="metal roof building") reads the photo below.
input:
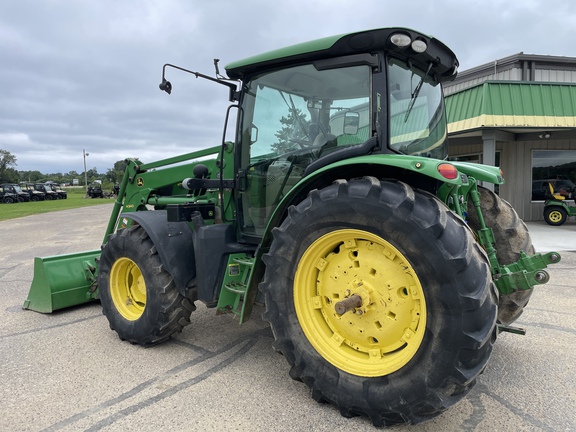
(519, 113)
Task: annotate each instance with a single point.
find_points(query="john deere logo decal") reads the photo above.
(140, 182)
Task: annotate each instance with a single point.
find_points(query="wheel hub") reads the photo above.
(555, 216)
(128, 288)
(366, 278)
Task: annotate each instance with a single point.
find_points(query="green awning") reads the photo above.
(512, 104)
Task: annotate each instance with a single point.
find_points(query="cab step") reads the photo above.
(235, 284)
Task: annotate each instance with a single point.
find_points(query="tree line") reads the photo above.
(9, 173)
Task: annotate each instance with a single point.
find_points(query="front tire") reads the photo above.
(426, 323)
(555, 215)
(138, 296)
(512, 236)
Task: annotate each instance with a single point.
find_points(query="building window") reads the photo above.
(557, 167)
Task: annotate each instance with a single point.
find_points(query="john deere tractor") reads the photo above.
(386, 272)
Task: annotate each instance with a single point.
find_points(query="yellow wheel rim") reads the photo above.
(127, 288)
(382, 334)
(555, 216)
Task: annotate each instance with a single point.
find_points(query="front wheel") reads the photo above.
(380, 299)
(138, 296)
(555, 215)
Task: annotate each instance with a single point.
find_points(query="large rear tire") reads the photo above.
(138, 296)
(512, 236)
(426, 323)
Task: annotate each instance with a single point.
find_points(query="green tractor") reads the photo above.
(385, 271)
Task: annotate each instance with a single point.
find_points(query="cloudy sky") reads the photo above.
(83, 75)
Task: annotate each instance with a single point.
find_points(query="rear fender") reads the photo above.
(378, 165)
(173, 242)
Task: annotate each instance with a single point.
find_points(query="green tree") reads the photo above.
(114, 175)
(91, 174)
(294, 127)
(30, 176)
(7, 163)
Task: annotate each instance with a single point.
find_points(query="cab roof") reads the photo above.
(368, 41)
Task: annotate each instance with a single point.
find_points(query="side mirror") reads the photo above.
(166, 86)
(351, 123)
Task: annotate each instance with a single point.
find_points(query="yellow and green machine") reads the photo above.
(385, 270)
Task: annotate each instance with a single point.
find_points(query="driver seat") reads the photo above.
(326, 142)
(553, 193)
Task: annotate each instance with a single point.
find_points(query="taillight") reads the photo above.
(448, 171)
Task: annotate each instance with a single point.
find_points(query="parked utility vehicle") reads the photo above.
(35, 195)
(557, 208)
(16, 190)
(386, 272)
(7, 196)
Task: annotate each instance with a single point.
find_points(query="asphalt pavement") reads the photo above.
(67, 371)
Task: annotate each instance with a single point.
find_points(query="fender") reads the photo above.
(174, 244)
(480, 172)
(420, 166)
(556, 203)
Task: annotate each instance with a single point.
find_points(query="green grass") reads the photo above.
(75, 199)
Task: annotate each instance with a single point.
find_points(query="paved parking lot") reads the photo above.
(68, 371)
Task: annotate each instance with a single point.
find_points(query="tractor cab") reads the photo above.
(374, 93)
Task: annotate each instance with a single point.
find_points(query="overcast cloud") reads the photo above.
(84, 74)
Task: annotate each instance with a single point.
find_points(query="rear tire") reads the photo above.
(138, 296)
(512, 236)
(426, 325)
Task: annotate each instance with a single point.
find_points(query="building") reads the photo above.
(518, 112)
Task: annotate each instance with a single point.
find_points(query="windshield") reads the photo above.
(302, 109)
(417, 115)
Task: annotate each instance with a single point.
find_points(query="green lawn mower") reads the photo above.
(556, 209)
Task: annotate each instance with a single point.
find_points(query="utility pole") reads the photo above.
(85, 173)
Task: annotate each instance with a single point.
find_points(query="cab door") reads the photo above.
(289, 118)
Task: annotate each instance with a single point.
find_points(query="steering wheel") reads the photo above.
(301, 143)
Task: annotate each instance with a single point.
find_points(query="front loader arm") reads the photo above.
(68, 280)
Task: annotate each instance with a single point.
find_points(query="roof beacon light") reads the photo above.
(419, 46)
(400, 40)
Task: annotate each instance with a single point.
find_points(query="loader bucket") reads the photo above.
(62, 281)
